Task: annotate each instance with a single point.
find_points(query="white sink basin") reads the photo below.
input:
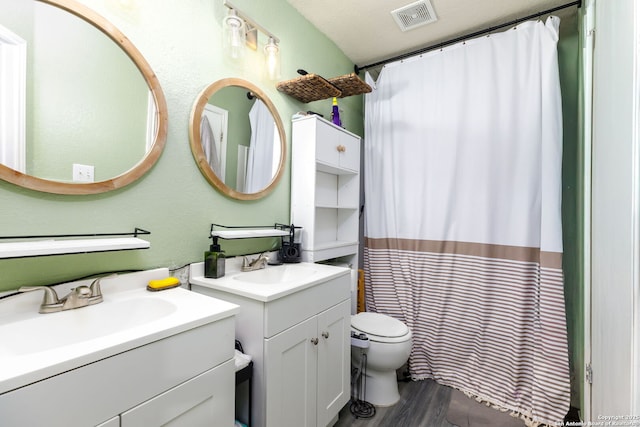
(49, 331)
(286, 273)
(267, 284)
(35, 346)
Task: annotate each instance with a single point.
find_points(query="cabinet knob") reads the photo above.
(314, 341)
(325, 335)
(341, 148)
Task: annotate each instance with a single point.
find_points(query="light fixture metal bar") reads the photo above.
(252, 25)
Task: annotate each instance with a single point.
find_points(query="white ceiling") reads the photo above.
(367, 33)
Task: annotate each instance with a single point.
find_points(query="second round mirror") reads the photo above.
(237, 139)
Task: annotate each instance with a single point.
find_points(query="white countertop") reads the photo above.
(296, 277)
(36, 346)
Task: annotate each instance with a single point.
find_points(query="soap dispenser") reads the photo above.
(214, 261)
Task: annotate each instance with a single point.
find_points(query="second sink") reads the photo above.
(286, 273)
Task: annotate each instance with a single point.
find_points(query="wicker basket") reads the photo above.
(350, 84)
(308, 88)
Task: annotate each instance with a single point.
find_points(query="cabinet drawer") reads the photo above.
(285, 312)
(191, 403)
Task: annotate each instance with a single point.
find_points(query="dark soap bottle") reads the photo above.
(214, 262)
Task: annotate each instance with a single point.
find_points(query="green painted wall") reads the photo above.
(182, 43)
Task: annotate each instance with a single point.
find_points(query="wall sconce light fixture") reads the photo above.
(272, 59)
(234, 35)
(239, 30)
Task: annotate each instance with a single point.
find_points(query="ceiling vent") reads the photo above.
(414, 15)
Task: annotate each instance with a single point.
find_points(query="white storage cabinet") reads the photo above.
(325, 189)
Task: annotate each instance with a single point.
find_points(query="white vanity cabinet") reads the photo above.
(298, 337)
(178, 370)
(325, 189)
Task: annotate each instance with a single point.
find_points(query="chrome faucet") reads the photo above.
(256, 264)
(50, 302)
(96, 291)
(80, 296)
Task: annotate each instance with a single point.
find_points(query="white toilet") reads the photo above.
(389, 348)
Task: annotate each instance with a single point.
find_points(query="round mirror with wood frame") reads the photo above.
(156, 125)
(248, 113)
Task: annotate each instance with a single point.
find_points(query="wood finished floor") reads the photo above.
(422, 404)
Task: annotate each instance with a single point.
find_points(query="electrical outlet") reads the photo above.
(82, 173)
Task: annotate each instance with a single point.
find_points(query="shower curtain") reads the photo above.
(260, 157)
(463, 237)
(208, 141)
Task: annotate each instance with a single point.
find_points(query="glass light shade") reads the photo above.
(272, 59)
(127, 4)
(234, 36)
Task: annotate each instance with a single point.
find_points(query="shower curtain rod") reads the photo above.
(357, 69)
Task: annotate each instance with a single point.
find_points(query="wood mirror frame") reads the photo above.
(196, 141)
(152, 155)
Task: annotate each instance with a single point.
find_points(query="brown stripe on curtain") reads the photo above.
(484, 250)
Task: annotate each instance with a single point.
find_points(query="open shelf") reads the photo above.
(332, 250)
(328, 168)
(249, 232)
(62, 247)
(25, 247)
(334, 206)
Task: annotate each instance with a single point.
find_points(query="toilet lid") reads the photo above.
(379, 324)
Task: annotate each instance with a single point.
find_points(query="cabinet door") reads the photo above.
(349, 152)
(290, 376)
(334, 361)
(327, 144)
(337, 148)
(205, 400)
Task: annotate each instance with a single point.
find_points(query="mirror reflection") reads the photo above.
(238, 139)
(79, 110)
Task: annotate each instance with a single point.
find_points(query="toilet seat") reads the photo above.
(380, 327)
